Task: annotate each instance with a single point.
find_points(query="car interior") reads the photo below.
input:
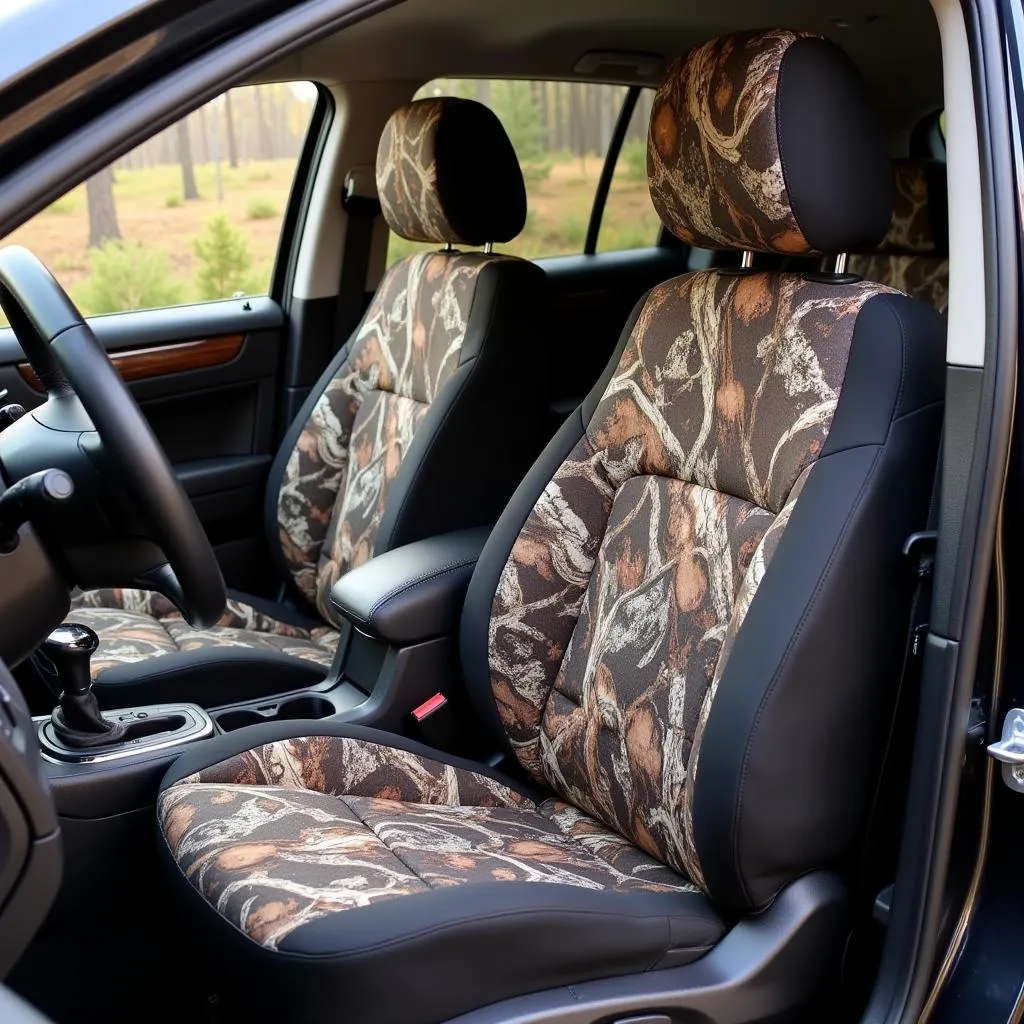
(454, 633)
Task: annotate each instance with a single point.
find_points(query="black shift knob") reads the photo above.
(69, 647)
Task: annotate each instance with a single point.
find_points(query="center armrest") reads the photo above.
(412, 593)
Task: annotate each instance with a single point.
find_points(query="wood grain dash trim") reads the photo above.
(143, 363)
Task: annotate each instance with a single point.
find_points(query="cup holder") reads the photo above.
(304, 707)
(308, 706)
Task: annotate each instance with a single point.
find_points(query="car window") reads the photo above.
(561, 133)
(629, 220)
(192, 214)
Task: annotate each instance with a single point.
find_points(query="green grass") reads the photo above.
(261, 208)
(63, 206)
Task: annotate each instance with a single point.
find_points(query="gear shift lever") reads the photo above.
(77, 721)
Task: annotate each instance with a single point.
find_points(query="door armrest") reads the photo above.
(412, 593)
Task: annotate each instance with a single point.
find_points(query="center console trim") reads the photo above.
(198, 726)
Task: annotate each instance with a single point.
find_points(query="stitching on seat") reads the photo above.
(369, 828)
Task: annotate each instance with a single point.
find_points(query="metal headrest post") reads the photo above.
(747, 260)
(840, 264)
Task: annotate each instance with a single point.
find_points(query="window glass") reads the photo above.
(561, 132)
(629, 220)
(192, 214)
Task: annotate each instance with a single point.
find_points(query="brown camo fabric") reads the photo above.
(921, 277)
(135, 625)
(337, 480)
(908, 258)
(294, 830)
(407, 173)
(713, 159)
(639, 560)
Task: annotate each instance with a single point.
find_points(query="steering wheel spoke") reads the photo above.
(92, 429)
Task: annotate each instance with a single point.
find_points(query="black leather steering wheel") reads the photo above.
(91, 427)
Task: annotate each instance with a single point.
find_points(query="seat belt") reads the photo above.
(919, 557)
(362, 208)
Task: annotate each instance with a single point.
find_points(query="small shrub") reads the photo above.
(225, 262)
(127, 275)
(633, 158)
(62, 206)
(173, 201)
(634, 234)
(572, 230)
(261, 209)
(536, 172)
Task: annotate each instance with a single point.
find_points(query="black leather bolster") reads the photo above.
(414, 592)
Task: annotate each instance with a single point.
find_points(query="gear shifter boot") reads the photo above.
(78, 722)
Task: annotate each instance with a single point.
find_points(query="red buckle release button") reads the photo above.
(429, 706)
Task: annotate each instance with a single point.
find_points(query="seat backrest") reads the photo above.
(429, 415)
(684, 622)
(914, 254)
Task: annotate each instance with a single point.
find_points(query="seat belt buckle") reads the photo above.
(359, 195)
(434, 721)
(919, 552)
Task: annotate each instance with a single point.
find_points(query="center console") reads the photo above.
(396, 668)
(398, 652)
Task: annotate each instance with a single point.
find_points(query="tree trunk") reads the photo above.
(265, 147)
(232, 142)
(188, 172)
(204, 136)
(99, 194)
(483, 91)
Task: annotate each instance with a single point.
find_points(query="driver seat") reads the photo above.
(445, 371)
(680, 635)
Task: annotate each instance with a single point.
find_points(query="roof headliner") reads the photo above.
(895, 44)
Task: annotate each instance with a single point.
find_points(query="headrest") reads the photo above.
(766, 141)
(920, 215)
(447, 172)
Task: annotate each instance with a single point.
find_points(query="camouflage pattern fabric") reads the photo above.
(613, 614)
(299, 829)
(921, 277)
(713, 159)
(909, 258)
(407, 173)
(338, 477)
(910, 230)
(135, 625)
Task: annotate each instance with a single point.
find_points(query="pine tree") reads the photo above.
(224, 260)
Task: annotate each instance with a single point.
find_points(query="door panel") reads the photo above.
(205, 376)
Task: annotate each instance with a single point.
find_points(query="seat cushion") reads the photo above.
(148, 654)
(136, 625)
(300, 843)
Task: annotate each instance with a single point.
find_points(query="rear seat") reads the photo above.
(913, 256)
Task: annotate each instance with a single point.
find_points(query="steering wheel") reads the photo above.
(129, 522)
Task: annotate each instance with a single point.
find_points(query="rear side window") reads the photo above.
(192, 214)
(561, 132)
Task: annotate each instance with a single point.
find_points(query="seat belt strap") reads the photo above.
(362, 208)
